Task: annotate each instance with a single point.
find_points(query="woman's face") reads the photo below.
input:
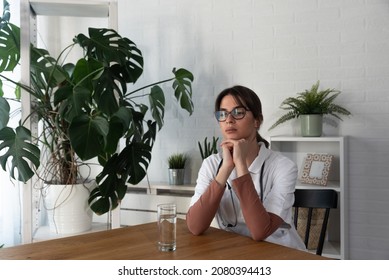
(237, 129)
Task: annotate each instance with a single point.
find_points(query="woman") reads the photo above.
(247, 188)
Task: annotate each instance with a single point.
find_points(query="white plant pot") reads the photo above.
(67, 208)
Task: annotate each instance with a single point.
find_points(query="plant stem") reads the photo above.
(150, 85)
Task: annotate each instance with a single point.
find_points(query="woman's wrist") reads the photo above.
(222, 177)
(241, 169)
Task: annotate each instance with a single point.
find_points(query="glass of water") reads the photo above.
(167, 220)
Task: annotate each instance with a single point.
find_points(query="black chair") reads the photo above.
(315, 199)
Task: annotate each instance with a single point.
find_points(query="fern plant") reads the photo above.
(311, 102)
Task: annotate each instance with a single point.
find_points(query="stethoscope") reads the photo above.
(232, 197)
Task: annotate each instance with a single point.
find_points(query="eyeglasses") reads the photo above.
(237, 113)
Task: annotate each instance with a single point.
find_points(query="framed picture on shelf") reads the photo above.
(316, 168)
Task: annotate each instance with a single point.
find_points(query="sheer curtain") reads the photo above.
(10, 207)
(10, 202)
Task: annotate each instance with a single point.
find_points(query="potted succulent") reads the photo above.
(176, 164)
(207, 149)
(310, 106)
(84, 110)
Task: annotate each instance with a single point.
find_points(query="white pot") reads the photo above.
(67, 208)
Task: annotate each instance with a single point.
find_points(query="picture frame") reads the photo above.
(316, 168)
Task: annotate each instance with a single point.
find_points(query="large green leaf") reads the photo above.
(45, 71)
(4, 112)
(157, 105)
(118, 125)
(136, 129)
(134, 65)
(9, 47)
(111, 187)
(6, 14)
(22, 152)
(106, 93)
(85, 72)
(108, 46)
(111, 181)
(75, 98)
(183, 89)
(151, 134)
(140, 155)
(76, 104)
(122, 61)
(88, 136)
(62, 93)
(101, 204)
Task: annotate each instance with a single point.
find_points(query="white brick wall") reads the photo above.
(278, 48)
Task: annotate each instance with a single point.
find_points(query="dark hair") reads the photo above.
(247, 98)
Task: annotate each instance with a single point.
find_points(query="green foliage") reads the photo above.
(311, 101)
(208, 149)
(177, 161)
(22, 152)
(85, 109)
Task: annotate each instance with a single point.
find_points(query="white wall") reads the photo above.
(278, 48)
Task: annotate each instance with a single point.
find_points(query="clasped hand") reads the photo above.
(235, 154)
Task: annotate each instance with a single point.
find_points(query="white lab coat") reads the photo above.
(279, 180)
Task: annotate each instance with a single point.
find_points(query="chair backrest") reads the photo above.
(315, 199)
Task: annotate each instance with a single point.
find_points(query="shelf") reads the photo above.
(73, 8)
(296, 149)
(330, 250)
(334, 185)
(30, 10)
(160, 188)
(306, 139)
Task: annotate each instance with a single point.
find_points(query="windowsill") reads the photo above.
(43, 233)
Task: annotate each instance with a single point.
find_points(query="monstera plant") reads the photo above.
(84, 110)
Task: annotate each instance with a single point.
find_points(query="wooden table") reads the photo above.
(139, 243)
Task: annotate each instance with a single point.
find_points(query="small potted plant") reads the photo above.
(310, 106)
(176, 164)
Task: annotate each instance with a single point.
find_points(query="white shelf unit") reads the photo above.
(29, 11)
(140, 203)
(296, 148)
